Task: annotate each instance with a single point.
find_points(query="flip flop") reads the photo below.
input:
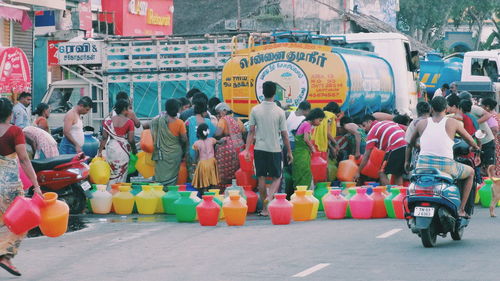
(10, 269)
(262, 215)
(465, 217)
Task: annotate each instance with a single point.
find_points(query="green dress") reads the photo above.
(301, 169)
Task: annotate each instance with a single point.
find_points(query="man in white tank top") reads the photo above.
(295, 118)
(73, 139)
(436, 147)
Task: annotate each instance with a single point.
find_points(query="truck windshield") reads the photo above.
(63, 99)
(484, 67)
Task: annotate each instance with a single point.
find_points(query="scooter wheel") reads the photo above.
(76, 200)
(428, 236)
(457, 234)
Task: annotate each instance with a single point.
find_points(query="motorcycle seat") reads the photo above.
(431, 172)
(50, 163)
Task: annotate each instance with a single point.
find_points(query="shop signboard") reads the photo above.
(15, 74)
(141, 17)
(81, 52)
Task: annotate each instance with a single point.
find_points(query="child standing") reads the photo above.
(206, 174)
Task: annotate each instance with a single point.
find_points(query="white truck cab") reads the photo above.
(62, 95)
(480, 74)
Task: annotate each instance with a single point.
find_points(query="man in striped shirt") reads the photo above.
(389, 137)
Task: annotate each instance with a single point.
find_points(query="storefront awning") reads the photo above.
(16, 13)
(51, 4)
(15, 74)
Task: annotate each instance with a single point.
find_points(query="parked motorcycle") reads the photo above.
(67, 176)
(434, 201)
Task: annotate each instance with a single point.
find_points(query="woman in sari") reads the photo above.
(43, 144)
(169, 138)
(118, 139)
(230, 145)
(192, 123)
(12, 153)
(301, 169)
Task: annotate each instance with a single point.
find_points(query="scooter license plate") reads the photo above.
(427, 212)
(85, 185)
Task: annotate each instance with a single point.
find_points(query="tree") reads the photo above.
(476, 13)
(426, 20)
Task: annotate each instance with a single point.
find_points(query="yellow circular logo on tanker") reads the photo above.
(292, 84)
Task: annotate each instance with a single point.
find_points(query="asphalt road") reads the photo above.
(157, 248)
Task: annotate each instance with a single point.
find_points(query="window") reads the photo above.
(63, 99)
(484, 67)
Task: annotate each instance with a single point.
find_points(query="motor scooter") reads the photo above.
(434, 201)
(65, 175)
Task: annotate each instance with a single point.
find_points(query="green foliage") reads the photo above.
(426, 20)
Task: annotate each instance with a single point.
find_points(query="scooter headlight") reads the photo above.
(77, 172)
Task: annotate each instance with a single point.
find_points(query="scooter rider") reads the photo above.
(436, 147)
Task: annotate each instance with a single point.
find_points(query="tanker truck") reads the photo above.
(361, 82)
(436, 70)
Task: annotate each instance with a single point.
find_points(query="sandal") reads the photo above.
(10, 269)
(260, 214)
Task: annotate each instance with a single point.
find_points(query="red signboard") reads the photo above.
(140, 17)
(15, 74)
(52, 51)
(85, 13)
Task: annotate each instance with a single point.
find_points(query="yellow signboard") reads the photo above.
(302, 71)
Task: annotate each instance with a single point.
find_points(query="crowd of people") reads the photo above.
(206, 135)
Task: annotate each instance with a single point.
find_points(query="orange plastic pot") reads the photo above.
(147, 141)
(235, 211)
(374, 164)
(347, 169)
(55, 216)
(182, 176)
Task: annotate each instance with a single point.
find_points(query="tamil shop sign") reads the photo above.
(87, 52)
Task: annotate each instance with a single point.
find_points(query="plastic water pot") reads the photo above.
(246, 166)
(298, 188)
(235, 211)
(374, 164)
(23, 214)
(101, 200)
(185, 207)
(146, 170)
(146, 201)
(158, 192)
(123, 201)
(347, 169)
(99, 171)
(378, 197)
(280, 209)
(55, 216)
(251, 198)
(147, 141)
(320, 191)
(245, 178)
(90, 145)
(351, 192)
(302, 206)
(182, 176)
(314, 211)
(361, 204)
(208, 211)
(397, 202)
(319, 167)
(389, 207)
(485, 195)
(335, 205)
